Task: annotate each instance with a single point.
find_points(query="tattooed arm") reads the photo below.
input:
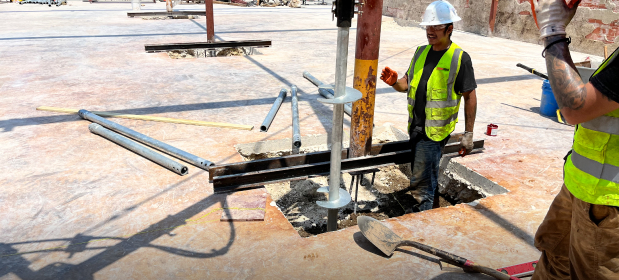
(579, 102)
(470, 110)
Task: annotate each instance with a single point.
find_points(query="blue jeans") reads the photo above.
(425, 168)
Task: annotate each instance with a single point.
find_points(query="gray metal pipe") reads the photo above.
(326, 93)
(138, 149)
(154, 143)
(296, 133)
(271, 115)
(338, 124)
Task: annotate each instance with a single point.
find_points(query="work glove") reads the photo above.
(389, 76)
(553, 16)
(467, 141)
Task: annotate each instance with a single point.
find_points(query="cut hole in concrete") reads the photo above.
(219, 52)
(387, 198)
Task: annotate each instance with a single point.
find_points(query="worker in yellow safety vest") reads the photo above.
(579, 238)
(439, 74)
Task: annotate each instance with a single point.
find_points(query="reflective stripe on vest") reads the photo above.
(441, 115)
(592, 170)
(411, 101)
(602, 171)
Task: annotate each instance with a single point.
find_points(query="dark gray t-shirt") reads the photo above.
(607, 81)
(465, 82)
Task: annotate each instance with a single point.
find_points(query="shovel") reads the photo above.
(386, 240)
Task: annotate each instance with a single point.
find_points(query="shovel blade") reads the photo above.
(381, 236)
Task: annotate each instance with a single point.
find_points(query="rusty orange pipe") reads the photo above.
(366, 64)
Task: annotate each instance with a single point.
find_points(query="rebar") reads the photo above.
(154, 143)
(271, 115)
(296, 133)
(326, 93)
(138, 149)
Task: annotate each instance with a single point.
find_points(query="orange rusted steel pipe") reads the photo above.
(210, 22)
(366, 64)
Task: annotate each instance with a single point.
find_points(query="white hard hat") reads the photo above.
(439, 12)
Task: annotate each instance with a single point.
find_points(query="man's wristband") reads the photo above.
(568, 40)
(396, 81)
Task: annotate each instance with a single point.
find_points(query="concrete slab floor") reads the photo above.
(75, 206)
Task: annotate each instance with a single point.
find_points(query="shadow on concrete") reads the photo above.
(511, 228)
(507, 79)
(8, 125)
(365, 244)
(535, 110)
(12, 261)
(163, 34)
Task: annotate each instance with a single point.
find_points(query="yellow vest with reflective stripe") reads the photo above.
(443, 102)
(592, 169)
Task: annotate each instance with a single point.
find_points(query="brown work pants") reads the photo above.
(578, 240)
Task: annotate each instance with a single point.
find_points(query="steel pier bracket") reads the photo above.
(344, 199)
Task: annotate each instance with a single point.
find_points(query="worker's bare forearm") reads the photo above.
(402, 84)
(470, 110)
(567, 86)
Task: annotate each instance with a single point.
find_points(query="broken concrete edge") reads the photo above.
(476, 181)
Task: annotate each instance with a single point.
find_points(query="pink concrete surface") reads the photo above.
(75, 206)
(245, 206)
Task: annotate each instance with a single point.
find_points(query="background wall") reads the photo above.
(595, 24)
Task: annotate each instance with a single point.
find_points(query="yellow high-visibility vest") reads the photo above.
(443, 102)
(592, 169)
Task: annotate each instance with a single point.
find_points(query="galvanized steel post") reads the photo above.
(168, 149)
(138, 149)
(271, 115)
(296, 131)
(366, 64)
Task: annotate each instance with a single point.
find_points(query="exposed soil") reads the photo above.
(388, 197)
(219, 52)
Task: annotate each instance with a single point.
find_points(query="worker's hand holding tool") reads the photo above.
(466, 143)
(389, 76)
(553, 16)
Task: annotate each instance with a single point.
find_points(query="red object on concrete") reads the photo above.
(520, 270)
(492, 130)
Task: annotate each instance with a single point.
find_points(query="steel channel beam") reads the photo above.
(271, 115)
(138, 149)
(177, 13)
(315, 157)
(250, 179)
(207, 45)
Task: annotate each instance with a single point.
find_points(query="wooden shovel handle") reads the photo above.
(460, 261)
(489, 271)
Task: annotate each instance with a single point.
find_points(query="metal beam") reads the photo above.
(309, 158)
(207, 45)
(176, 13)
(250, 179)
